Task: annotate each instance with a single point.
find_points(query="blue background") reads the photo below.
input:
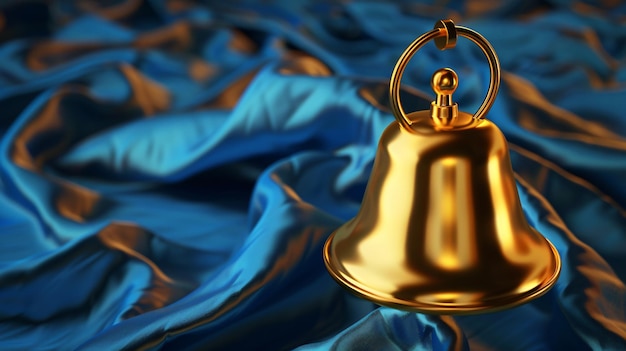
(170, 169)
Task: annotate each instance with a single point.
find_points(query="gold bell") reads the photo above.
(441, 228)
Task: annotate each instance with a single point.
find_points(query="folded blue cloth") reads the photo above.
(171, 169)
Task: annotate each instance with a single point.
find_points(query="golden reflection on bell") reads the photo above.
(441, 228)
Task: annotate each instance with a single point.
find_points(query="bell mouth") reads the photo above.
(428, 300)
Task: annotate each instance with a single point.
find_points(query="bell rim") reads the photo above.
(494, 305)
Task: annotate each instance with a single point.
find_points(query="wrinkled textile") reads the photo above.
(170, 169)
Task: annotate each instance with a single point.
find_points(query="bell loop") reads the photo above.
(445, 34)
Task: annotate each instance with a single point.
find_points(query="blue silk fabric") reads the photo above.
(170, 169)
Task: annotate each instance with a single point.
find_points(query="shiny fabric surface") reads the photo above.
(170, 169)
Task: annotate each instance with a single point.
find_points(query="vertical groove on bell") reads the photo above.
(451, 243)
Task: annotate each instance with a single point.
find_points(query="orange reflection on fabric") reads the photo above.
(118, 10)
(305, 65)
(242, 43)
(150, 96)
(174, 37)
(229, 96)
(47, 54)
(134, 242)
(75, 202)
(563, 123)
(201, 70)
(46, 121)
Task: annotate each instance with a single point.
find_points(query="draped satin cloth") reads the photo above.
(170, 169)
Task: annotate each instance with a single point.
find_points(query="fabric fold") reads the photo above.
(170, 170)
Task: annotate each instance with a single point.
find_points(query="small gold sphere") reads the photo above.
(444, 81)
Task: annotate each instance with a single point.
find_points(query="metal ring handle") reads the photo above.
(479, 40)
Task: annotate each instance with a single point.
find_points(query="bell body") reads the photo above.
(441, 228)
